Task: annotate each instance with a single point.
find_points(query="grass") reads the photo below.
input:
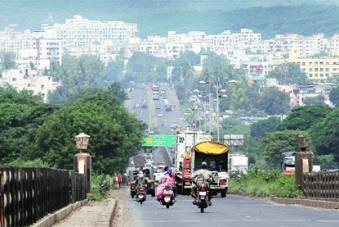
(262, 184)
(100, 186)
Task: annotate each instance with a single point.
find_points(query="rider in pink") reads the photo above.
(167, 180)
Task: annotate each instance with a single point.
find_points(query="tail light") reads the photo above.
(202, 189)
(141, 189)
(222, 182)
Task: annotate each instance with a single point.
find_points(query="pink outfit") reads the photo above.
(166, 180)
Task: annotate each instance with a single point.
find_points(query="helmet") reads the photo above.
(204, 165)
(166, 168)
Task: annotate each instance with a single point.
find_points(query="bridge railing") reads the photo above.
(321, 185)
(28, 194)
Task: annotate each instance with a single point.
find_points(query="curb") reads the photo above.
(59, 215)
(296, 201)
(111, 218)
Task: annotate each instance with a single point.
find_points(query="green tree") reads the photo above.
(325, 135)
(289, 73)
(21, 114)
(77, 75)
(261, 128)
(143, 67)
(274, 101)
(115, 134)
(334, 96)
(303, 118)
(274, 144)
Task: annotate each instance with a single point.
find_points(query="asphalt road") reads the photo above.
(231, 211)
(155, 116)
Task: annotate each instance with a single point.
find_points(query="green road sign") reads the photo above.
(159, 141)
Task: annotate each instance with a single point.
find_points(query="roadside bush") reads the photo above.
(100, 186)
(265, 183)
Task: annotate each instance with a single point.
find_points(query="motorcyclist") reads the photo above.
(167, 180)
(201, 176)
(141, 180)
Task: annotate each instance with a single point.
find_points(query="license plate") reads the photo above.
(141, 196)
(167, 199)
(202, 193)
(202, 197)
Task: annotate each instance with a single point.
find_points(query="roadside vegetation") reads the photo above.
(100, 187)
(265, 183)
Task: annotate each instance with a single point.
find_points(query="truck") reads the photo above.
(288, 163)
(238, 162)
(185, 141)
(216, 156)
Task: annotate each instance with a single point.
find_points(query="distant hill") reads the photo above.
(157, 17)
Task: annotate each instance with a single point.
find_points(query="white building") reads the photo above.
(81, 32)
(29, 80)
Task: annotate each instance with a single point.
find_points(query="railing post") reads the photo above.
(2, 195)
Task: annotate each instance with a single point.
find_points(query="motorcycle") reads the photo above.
(168, 198)
(202, 197)
(133, 190)
(141, 194)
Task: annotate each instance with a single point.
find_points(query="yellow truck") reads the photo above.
(216, 156)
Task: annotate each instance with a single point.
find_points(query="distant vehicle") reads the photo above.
(160, 115)
(288, 163)
(144, 105)
(168, 108)
(155, 87)
(238, 162)
(155, 97)
(158, 107)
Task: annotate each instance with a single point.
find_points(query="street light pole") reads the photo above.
(218, 124)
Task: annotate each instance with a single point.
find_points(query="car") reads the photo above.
(155, 97)
(160, 115)
(158, 107)
(168, 108)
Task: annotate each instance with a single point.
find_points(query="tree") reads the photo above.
(143, 67)
(21, 114)
(289, 73)
(261, 128)
(274, 144)
(274, 102)
(325, 135)
(303, 118)
(115, 134)
(334, 96)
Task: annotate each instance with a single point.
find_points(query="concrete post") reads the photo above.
(303, 160)
(83, 165)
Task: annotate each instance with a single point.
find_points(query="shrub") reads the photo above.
(265, 183)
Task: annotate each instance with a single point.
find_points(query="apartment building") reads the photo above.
(30, 80)
(81, 32)
(318, 69)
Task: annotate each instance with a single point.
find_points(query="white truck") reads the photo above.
(186, 140)
(238, 162)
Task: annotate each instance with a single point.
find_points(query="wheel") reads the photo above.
(223, 193)
(153, 193)
(132, 195)
(140, 202)
(167, 206)
(202, 210)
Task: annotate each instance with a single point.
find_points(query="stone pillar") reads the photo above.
(303, 160)
(83, 165)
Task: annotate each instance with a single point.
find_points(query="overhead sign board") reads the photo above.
(234, 139)
(159, 141)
